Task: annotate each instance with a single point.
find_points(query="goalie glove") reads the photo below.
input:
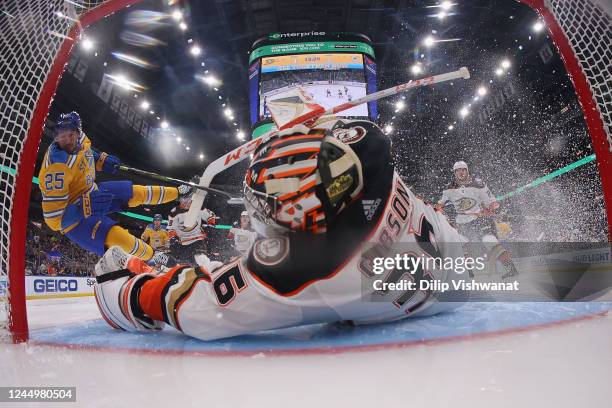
(116, 291)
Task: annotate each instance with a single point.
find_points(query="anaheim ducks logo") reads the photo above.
(271, 251)
(465, 204)
(351, 135)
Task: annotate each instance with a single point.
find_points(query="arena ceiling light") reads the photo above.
(464, 112)
(400, 105)
(165, 125)
(210, 80)
(183, 26)
(441, 15)
(446, 5)
(388, 129)
(145, 105)
(482, 91)
(451, 127)
(505, 64)
(195, 50)
(429, 41)
(416, 69)
(499, 72)
(240, 135)
(123, 82)
(87, 44)
(201, 156)
(538, 26)
(177, 15)
(228, 112)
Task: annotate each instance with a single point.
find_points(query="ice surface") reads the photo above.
(559, 364)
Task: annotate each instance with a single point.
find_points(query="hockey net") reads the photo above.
(37, 37)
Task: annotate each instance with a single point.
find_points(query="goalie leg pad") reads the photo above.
(116, 291)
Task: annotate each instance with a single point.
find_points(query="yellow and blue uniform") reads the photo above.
(156, 237)
(67, 180)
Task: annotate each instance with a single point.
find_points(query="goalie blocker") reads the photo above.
(317, 195)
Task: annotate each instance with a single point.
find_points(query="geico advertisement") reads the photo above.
(66, 286)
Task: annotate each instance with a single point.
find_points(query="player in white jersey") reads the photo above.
(243, 235)
(471, 208)
(325, 200)
(187, 243)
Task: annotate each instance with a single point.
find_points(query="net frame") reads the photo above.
(570, 23)
(29, 75)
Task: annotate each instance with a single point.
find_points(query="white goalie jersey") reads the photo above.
(302, 278)
(278, 285)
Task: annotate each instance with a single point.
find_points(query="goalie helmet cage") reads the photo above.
(38, 36)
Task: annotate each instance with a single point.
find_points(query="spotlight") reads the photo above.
(209, 80)
(228, 112)
(538, 26)
(195, 50)
(201, 156)
(482, 91)
(429, 41)
(165, 125)
(451, 127)
(416, 69)
(388, 129)
(240, 135)
(400, 105)
(505, 64)
(499, 72)
(145, 105)
(87, 44)
(183, 26)
(464, 112)
(446, 5)
(177, 15)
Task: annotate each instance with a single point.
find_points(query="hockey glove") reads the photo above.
(106, 163)
(94, 203)
(208, 217)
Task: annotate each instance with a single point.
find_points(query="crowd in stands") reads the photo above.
(52, 254)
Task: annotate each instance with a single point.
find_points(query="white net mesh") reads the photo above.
(587, 24)
(31, 33)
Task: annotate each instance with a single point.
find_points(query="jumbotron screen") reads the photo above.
(329, 78)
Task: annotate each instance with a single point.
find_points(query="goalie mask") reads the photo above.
(301, 182)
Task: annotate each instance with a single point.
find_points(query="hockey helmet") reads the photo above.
(300, 180)
(68, 121)
(157, 217)
(460, 165)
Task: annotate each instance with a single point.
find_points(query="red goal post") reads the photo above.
(39, 45)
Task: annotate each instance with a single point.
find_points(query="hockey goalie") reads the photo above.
(317, 197)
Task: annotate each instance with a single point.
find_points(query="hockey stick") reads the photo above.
(314, 114)
(172, 180)
(241, 152)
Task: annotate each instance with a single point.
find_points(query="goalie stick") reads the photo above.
(241, 152)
